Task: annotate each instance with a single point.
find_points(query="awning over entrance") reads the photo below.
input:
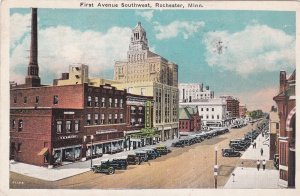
(43, 151)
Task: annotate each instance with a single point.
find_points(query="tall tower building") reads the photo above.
(32, 79)
(149, 74)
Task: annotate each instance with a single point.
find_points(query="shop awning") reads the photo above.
(43, 151)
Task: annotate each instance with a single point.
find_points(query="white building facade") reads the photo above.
(190, 92)
(211, 111)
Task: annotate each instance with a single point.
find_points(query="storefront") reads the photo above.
(65, 155)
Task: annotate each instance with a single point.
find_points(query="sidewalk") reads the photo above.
(250, 177)
(68, 170)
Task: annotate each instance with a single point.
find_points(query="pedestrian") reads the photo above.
(258, 164)
(261, 152)
(254, 144)
(264, 164)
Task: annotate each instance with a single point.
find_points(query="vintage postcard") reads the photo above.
(143, 97)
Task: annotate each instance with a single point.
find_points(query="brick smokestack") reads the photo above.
(32, 79)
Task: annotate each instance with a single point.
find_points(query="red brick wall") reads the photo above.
(66, 96)
(184, 125)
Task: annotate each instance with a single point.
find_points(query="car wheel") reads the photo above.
(111, 171)
(226, 155)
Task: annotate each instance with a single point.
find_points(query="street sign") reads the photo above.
(148, 114)
(216, 168)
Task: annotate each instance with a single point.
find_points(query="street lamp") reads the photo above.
(216, 167)
(92, 137)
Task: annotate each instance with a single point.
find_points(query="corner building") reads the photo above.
(149, 74)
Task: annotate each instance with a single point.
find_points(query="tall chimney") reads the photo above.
(32, 79)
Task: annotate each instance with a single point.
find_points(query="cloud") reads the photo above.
(184, 28)
(61, 46)
(256, 48)
(147, 15)
(260, 99)
(19, 26)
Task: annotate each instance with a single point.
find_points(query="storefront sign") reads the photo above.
(69, 112)
(148, 114)
(67, 137)
(106, 131)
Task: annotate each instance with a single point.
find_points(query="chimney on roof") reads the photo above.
(32, 79)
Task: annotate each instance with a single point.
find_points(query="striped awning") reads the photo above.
(43, 152)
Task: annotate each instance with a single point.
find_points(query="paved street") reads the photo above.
(188, 167)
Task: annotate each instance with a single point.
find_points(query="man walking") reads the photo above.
(258, 164)
(261, 152)
(254, 144)
(264, 164)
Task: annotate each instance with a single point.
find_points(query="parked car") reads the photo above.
(238, 147)
(103, 168)
(163, 150)
(132, 159)
(142, 155)
(235, 141)
(276, 161)
(151, 153)
(179, 143)
(229, 152)
(118, 163)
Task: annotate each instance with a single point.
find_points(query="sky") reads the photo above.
(237, 53)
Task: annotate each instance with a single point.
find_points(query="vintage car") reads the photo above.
(238, 147)
(179, 143)
(103, 168)
(163, 150)
(151, 153)
(142, 155)
(133, 159)
(229, 152)
(117, 163)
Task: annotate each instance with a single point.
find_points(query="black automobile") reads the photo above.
(151, 153)
(179, 143)
(229, 152)
(276, 161)
(142, 155)
(238, 147)
(103, 168)
(120, 163)
(132, 159)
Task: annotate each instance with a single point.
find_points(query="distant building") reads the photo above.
(149, 74)
(242, 111)
(274, 132)
(189, 92)
(232, 105)
(189, 119)
(211, 111)
(286, 104)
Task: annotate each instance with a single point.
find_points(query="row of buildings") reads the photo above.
(79, 117)
(282, 125)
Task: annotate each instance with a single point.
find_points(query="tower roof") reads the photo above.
(139, 28)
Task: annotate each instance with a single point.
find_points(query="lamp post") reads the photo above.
(92, 137)
(216, 167)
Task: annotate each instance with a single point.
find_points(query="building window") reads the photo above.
(140, 120)
(55, 99)
(102, 119)
(88, 121)
(218, 117)
(212, 109)
(37, 99)
(76, 127)
(20, 125)
(212, 116)
(25, 99)
(201, 117)
(58, 126)
(110, 102)
(143, 91)
(109, 118)
(140, 110)
(206, 116)
(89, 101)
(68, 126)
(130, 89)
(15, 99)
(132, 121)
(116, 103)
(207, 109)
(96, 101)
(277, 125)
(13, 123)
(19, 147)
(96, 119)
(103, 102)
(116, 118)
(121, 118)
(202, 109)
(132, 108)
(121, 103)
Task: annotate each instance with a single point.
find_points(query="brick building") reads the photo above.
(50, 125)
(286, 104)
(189, 119)
(232, 106)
